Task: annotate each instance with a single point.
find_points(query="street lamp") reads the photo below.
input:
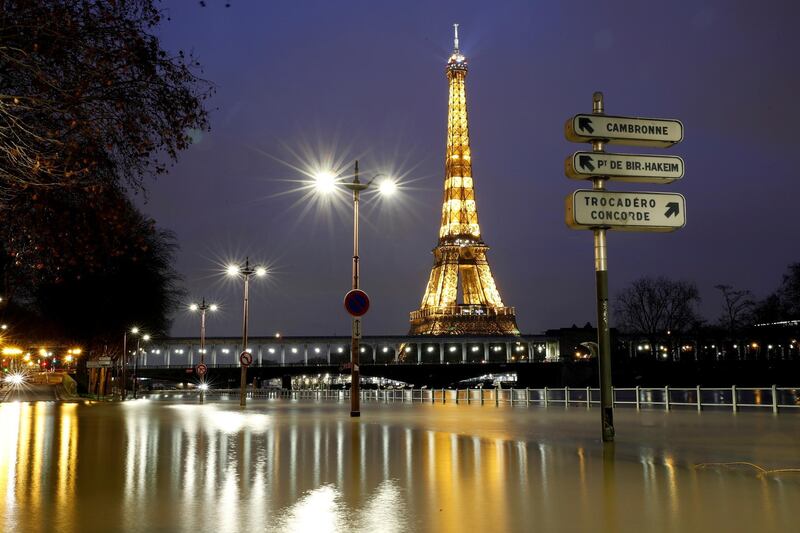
(133, 331)
(145, 337)
(325, 183)
(245, 271)
(203, 307)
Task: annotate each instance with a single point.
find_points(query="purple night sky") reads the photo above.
(366, 80)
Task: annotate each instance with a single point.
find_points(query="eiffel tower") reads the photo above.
(461, 252)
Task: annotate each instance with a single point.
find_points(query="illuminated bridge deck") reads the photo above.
(316, 351)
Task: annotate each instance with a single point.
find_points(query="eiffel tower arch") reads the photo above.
(460, 256)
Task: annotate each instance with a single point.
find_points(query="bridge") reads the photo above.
(414, 359)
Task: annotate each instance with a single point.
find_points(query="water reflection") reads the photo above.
(181, 467)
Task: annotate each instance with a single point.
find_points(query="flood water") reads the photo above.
(152, 465)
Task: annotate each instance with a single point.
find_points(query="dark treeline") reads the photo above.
(91, 105)
(659, 321)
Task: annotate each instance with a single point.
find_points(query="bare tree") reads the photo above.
(656, 308)
(737, 308)
(88, 96)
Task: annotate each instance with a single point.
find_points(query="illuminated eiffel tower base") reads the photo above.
(461, 253)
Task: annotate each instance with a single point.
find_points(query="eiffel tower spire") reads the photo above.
(461, 252)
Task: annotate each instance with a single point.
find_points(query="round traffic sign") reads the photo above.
(201, 369)
(356, 302)
(246, 358)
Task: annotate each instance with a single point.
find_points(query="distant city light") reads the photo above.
(15, 378)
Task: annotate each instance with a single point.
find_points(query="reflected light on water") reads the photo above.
(300, 467)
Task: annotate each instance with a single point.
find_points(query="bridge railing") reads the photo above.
(774, 398)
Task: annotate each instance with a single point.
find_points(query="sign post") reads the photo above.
(356, 303)
(600, 210)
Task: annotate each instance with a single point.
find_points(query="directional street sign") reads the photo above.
(624, 167)
(632, 131)
(246, 358)
(626, 211)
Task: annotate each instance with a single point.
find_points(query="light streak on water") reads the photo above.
(309, 467)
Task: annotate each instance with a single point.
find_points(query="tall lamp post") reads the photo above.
(245, 271)
(355, 375)
(133, 331)
(203, 307)
(387, 188)
(145, 338)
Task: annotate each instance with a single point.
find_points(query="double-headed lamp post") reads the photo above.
(244, 272)
(202, 307)
(387, 188)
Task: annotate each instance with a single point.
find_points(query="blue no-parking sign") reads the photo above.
(356, 302)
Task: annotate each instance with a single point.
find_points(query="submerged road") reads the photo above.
(30, 393)
(281, 465)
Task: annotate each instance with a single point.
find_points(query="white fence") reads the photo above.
(735, 398)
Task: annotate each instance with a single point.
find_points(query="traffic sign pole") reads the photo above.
(245, 318)
(600, 210)
(601, 277)
(355, 374)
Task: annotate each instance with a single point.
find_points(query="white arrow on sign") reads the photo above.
(624, 130)
(356, 328)
(626, 211)
(624, 167)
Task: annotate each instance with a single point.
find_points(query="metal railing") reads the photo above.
(667, 398)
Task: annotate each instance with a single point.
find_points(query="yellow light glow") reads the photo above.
(11, 350)
(68, 359)
(42, 352)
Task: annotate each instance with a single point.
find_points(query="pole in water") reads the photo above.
(601, 278)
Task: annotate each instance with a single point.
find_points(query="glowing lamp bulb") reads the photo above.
(261, 272)
(325, 182)
(387, 187)
(232, 270)
(193, 307)
(214, 307)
